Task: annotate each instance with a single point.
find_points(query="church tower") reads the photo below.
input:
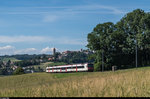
(54, 51)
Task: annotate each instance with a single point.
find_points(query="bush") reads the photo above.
(3, 71)
(97, 66)
(18, 71)
(39, 69)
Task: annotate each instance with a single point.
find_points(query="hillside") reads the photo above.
(11, 59)
(122, 83)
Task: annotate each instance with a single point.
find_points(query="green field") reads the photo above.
(11, 59)
(121, 83)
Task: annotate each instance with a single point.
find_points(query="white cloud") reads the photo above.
(30, 50)
(7, 50)
(64, 9)
(69, 11)
(52, 14)
(95, 8)
(42, 39)
(50, 18)
(70, 41)
(26, 51)
(8, 47)
(47, 50)
(11, 50)
(14, 39)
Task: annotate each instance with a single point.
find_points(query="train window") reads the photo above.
(68, 67)
(63, 68)
(54, 68)
(58, 68)
(80, 66)
(73, 67)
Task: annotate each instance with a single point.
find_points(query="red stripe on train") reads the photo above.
(76, 69)
(90, 67)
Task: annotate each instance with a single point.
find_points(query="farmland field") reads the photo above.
(121, 83)
(11, 59)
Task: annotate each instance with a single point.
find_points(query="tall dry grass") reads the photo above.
(127, 83)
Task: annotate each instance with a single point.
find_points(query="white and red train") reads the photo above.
(70, 68)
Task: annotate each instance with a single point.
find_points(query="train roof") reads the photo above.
(69, 65)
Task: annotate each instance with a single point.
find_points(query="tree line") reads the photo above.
(72, 57)
(25, 63)
(118, 44)
(25, 56)
(75, 57)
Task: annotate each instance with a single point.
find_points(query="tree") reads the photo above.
(136, 26)
(39, 69)
(99, 40)
(8, 63)
(115, 44)
(75, 57)
(18, 71)
(1, 64)
(56, 54)
(3, 71)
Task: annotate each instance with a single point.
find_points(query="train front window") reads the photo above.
(48, 68)
(90, 65)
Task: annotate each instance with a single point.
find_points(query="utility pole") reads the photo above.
(102, 60)
(136, 54)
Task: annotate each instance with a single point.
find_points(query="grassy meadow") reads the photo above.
(11, 59)
(121, 83)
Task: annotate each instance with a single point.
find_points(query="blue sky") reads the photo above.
(36, 26)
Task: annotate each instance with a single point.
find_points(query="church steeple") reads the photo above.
(54, 51)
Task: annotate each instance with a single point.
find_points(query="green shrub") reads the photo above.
(18, 71)
(3, 71)
(97, 66)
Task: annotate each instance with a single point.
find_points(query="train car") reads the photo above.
(70, 68)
